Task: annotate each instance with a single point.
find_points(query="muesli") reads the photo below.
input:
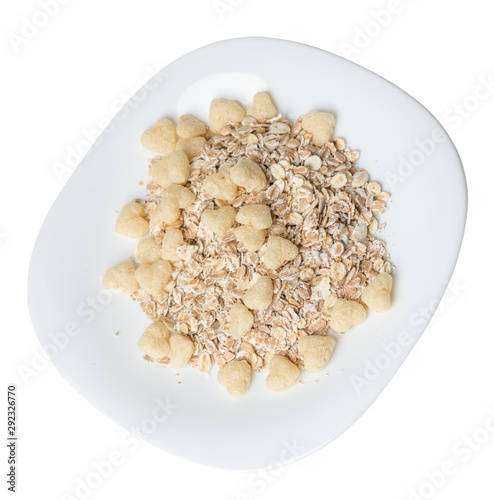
(258, 244)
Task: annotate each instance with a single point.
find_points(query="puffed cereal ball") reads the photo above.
(160, 139)
(260, 295)
(222, 112)
(148, 251)
(158, 171)
(121, 277)
(241, 320)
(184, 196)
(263, 107)
(191, 147)
(219, 221)
(377, 294)
(235, 377)
(168, 211)
(189, 126)
(346, 313)
(248, 175)
(282, 374)
(181, 350)
(250, 237)
(153, 277)
(178, 168)
(278, 252)
(316, 351)
(171, 241)
(320, 125)
(220, 185)
(131, 221)
(154, 341)
(255, 215)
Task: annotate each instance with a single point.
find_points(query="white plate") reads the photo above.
(77, 244)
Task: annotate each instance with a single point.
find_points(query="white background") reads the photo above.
(75, 72)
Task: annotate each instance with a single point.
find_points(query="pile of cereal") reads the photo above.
(258, 239)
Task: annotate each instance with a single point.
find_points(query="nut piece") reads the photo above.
(160, 139)
(235, 376)
(159, 171)
(189, 126)
(346, 313)
(181, 350)
(241, 320)
(263, 107)
(249, 175)
(168, 211)
(171, 241)
(316, 351)
(131, 221)
(153, 277)
(178, 168)
(220, 185)
(320, 125)
(219, 221)
(148, 251)
(222, 112)
(191, 147)
(278, 252)
(260, 295)
(377, 294)
(121, 277)
(154, 341)
(258, 216)
(282, 374)
(252, 238)
(184, 196)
